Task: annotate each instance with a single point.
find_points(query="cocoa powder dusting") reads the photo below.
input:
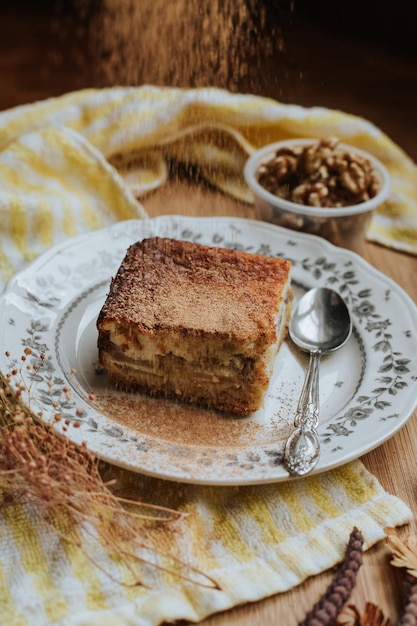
(184, 424)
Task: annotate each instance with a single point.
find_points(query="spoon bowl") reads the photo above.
(320, 323)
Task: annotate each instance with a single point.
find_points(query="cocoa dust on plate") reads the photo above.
(183, 424)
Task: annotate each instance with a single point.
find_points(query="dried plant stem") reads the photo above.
(404, 555)
(326, 610)
(409, 614)
(39, 465)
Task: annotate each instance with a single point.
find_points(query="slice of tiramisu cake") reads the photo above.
(195, 323)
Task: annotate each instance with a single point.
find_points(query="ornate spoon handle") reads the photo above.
(302, 448)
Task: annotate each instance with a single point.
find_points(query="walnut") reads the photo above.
(319, 175)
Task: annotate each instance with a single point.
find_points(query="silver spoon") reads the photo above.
(319, 324)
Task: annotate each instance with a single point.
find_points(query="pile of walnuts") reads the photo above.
(319, 175)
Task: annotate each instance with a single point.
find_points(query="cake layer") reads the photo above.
(197, 323)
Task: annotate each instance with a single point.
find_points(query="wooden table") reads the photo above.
(371, 80)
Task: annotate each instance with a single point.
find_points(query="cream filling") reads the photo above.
(178, 367)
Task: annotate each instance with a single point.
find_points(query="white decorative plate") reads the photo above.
(367, 389)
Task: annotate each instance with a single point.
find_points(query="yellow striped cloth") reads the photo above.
(255, 541)
(56, 158)
(76, 163)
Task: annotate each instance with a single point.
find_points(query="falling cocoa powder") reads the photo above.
(182, 43)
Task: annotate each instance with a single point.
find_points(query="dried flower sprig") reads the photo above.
(328, 607)
(404, 553)
(38, 464)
